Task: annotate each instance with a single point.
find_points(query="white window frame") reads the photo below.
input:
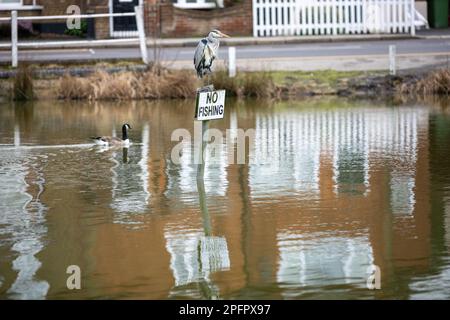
(119, 34)
(198, 4)
(19, 6)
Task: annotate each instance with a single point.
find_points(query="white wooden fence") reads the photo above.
(332, 17)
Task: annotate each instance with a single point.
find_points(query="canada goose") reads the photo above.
(114, 141)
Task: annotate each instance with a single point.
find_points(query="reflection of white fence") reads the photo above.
(332, 17)
(15, 44)
(350, 138)
(325, 262)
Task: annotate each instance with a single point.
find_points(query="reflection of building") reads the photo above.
(353, 190)
(434, 283)
(291, 145)
(354, 160)
(22, 221)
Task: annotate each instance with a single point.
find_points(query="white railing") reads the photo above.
(332, 17)
(15, 44)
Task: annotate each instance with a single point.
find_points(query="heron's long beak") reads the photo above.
(224, 35)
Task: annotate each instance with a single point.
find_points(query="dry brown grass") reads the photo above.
(128, 85)
(74, 88)
(259, 85)
(249, 84)
(221, 80)
(435, 83)
(23, 83)
(167, 84)
(160, 84)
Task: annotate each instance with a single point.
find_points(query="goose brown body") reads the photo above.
(114, 141)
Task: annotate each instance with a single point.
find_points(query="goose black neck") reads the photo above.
(124, 133)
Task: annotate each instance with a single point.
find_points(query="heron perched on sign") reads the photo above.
(206, 52)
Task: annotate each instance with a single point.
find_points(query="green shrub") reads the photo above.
(78, 32)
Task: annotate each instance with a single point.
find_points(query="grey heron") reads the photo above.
(206, 52)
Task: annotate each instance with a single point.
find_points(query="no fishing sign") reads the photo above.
(210, 105)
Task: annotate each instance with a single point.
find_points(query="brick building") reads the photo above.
(181, 19)
(193, 18)
(163, 18)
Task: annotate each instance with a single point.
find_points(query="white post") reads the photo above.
(255, 26)
(392, 67)
(14, 36)
(413, 14)
(231, 62)
(141, 31)
(16, 136)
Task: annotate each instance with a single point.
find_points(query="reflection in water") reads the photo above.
(213, 250)
(195, 255)
(447, 221)
(304, 146)
(16, 136)
(402, 193)
(351, 147)
(130, 174)
(435, 286)
(295, 143)
(329, 261)
(182, 177)
(22, 220)
(431, 287)
(343, 186)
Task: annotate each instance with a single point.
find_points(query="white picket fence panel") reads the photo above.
(331, 17)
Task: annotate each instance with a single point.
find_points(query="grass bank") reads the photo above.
(132, 82)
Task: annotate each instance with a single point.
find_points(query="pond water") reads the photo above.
(352, 190)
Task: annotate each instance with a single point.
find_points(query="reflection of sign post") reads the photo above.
(212, 250)
(210, 105)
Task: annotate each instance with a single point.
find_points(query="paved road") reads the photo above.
(280, 56)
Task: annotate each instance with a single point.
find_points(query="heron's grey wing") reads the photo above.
(199, 53)
(209, 56)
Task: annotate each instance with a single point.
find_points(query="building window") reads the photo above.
(10, 2)
(18, 4)
(198, 4)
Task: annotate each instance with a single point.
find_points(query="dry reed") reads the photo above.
(23, 83)
(128, 85)
(435, 83)
(249, 84)
(160, 83)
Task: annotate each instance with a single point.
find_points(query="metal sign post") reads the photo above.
(210, 105)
